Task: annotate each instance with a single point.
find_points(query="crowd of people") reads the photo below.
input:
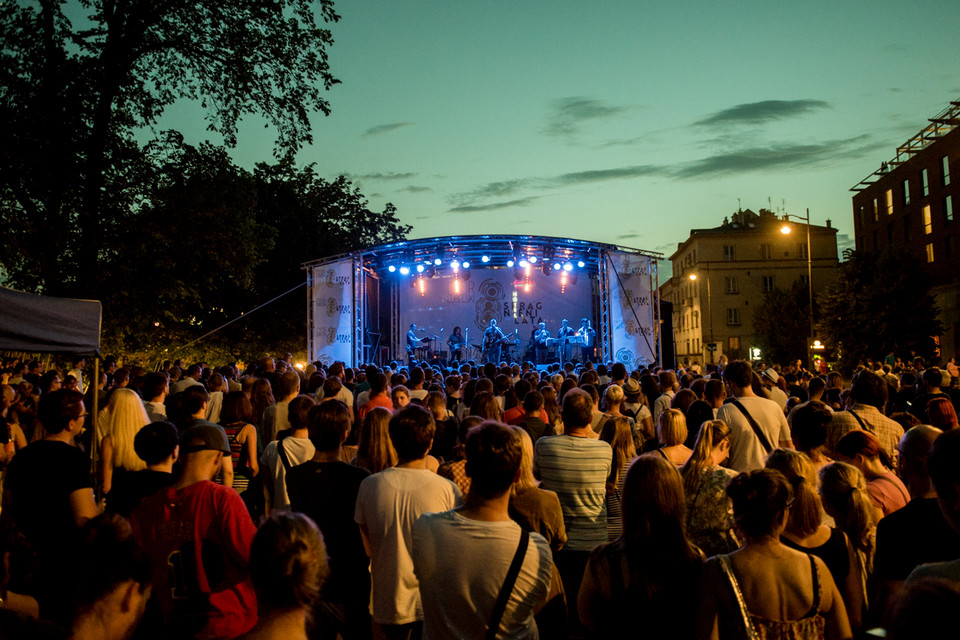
(478, 501)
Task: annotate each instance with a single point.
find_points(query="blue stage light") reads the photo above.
(391, 268)
(404, 271)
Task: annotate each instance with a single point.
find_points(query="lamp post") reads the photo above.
(785, 229)
(693, 278)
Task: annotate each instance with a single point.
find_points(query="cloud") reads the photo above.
(492, 206)
(775, 156)
(415, 189)
(568, 114)
(386, 176)
(601, 175)
(765, 111)
(385, 128)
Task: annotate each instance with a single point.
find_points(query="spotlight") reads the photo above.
(455, 264)
(437, 261)
(391, 268)
(533, 259)
(581, 264)
(465, 265)
(422, 286)
(485, 259)
(524, 263)
(557, 266)
(510, 263)
(404, 270)
(567, 267)
(419, 268)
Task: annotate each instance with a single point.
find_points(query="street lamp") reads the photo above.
(785, 229)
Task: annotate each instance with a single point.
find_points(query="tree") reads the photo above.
(878, 303)
(80, 79)
(782, 323)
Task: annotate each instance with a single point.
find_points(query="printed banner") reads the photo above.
(632, 320)
(516, 303)
(333, 312)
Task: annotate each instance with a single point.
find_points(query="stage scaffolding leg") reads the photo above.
(311, 356)
(395, 334)
(657, 328)
(606, 348)
(359, 309)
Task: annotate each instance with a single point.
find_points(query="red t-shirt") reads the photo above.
(374, 402)
(516, 415)
(198, 539)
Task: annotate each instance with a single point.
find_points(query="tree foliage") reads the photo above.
(878, 303)
(782, 323)
(81, 78)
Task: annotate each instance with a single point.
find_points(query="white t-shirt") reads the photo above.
(779, 396)
(388, 505)
(299, 450)
(462, 563)
(746, 452)
(418, 394)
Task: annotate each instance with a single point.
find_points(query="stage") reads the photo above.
(361, 305)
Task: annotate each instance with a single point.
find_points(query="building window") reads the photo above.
(768, 284)
(906, 192)
(945, 170)
(732, 285)
(733, 343)
(889, 202)
(729, 252)
(948, 208)
(766, 251)
(696, 319)
(927, 220)
(924, 184)
(930, 252)
(876, 210)
(733, 317)
(802, 250)
(906, 229)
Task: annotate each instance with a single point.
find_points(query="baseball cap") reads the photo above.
(205, 437)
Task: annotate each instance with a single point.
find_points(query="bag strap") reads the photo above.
(899, 488)
(282, 452)
(863, 425)
(508, 583)
(750, 631)
(761, 436)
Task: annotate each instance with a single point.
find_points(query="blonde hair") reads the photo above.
(126, 417)
(844, 490)
(671, 428)
(806, 513)
(613, 395)
(526, 479)
(712, 433)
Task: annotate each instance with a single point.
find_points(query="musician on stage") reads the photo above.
(413, 342)
(456, 342)
(540, 337)
(564, 332)
(588, 341)
(492, 342)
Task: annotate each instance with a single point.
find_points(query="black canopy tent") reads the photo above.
(44, 324)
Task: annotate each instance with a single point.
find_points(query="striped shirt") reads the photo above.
(577, 469)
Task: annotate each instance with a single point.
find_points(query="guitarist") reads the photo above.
(456, 342)
(493, 339)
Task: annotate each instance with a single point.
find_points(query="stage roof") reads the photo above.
(498, 249)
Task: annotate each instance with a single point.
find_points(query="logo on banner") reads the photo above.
(630, 267)
(464, 297)
(490, 303)
(624, 355)
(332, 279)
(331, 306)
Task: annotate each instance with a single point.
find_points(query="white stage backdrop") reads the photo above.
(333, 312)
(631, 309)
(493, 293)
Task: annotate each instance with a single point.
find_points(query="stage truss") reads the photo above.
(360, 304)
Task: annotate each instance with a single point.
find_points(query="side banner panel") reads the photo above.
(333, 312)
(517, 305)
(632, 319)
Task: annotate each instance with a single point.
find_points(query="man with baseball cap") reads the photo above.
(198, 534)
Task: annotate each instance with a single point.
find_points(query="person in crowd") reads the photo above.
(898, 549)
(769, 379)
(325, 489)
(276, 416)
(862, 449)
(125, 417)
(261, 397)
(576, 466)
(616, 433)
(203, 531)
(671, 434)
(868, 394)
(757, 425)
(291, 449)
(636, 406)
(815, 389)
(552, 408)
(378, 395)
(157, 444)
(696, 414)
(668, 386)
(388, 504)
(194, 371)
(532, 420)
(709, 511)
(932, 379)
(646, 578)
(809, 430)
(456, 470)
(217, 388)
(400, 396)
(156, 386)
(461, 591)
(806, 532)
(772, 590)
(288, 567)
(941, 414)
(236, 417)
(375, 451)
(925, 608)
